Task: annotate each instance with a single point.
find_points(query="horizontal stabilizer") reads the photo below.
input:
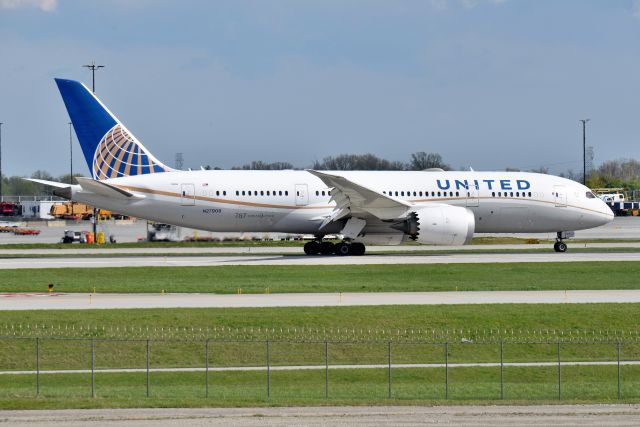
(103, 189)
(49, 183)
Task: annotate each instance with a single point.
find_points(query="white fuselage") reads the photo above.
(297, 201)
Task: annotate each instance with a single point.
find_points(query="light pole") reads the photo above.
(93, 67)
(70, 155)
(584, 150)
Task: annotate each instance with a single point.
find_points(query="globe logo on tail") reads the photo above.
(120, 154)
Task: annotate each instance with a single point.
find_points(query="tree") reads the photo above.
(423, 160)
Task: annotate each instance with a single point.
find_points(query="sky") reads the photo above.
(486, 83)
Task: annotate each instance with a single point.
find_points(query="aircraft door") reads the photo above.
(472, 196)
(188, 194)
(302, 195)
(560, 195)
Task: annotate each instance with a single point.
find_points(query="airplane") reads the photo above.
(434, 206)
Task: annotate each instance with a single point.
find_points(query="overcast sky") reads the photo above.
(486, 83)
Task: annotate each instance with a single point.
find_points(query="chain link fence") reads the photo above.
(339, 370)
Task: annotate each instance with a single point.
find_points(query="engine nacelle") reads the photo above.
(440, 225)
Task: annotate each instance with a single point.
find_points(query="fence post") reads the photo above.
(268, 372)
(618, 348)
(206, 368)
(389, 362)
(559, 377)
(148, 380)
(326, 369)
(446, 370)
(501, 369)
(37, 366)
(93, 364)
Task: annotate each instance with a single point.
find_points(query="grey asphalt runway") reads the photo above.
(221, 260)
(57, 301)
(132, 231)
(296, 250)
(565, 415)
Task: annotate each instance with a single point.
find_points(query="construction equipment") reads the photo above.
(72, 210)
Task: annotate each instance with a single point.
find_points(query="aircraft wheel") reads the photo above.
(357, 248)
(560, 247)
(327, 248)
(312, 248)
(343, 249)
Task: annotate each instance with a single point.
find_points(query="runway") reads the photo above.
(395, 259)
(297, 250)
(566, 415)
(57, 301)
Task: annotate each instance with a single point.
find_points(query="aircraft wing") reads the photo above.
(354, 199)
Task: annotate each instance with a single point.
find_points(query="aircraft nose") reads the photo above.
(607, 213)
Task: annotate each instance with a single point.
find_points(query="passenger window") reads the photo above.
(402, 193)
(512, 194)
(217, 192)
(518, 194)
(493, 194)
(243, 192)
(279, 193)
(317, 193)
(297, 193)
(439, 194)
(415, 194)
(457, 193)
(286, 193)
(261, 192)
(529, 193)
(396, 193)
(268, 193)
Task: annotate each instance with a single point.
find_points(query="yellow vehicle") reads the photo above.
(71, 210)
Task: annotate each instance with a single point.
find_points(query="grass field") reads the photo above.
(345, 386)
(351, 320)
(352, 278)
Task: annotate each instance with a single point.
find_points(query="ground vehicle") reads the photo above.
(9, 209)
(73, 210)
(71, 236)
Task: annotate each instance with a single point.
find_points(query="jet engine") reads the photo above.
(439, 225)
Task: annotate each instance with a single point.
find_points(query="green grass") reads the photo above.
(348, 386)
(351, 278)
(345, 386)
(544, 322)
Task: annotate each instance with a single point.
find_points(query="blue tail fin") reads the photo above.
(110, 149)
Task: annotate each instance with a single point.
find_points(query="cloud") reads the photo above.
(44, 5)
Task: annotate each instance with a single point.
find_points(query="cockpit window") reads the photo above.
(590, 195)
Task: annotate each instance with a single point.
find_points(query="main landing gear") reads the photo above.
(327, 248)
(560, 245)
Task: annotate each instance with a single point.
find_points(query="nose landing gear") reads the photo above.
(560, 245)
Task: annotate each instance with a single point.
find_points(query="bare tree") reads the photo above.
(423, 160)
